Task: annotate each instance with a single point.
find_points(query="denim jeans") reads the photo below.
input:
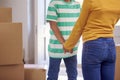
(71, 68)
(98, 59)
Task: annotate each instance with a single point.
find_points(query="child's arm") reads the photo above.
(53, 26)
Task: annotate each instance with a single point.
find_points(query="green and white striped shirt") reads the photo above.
(65, 14)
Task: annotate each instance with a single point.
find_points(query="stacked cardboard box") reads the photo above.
(5, 15)
(34, 72)
(11, 56)
(117, 69)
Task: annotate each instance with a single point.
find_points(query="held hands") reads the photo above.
(65, 50)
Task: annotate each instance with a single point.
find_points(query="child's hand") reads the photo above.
(71, 51)
(65, 50)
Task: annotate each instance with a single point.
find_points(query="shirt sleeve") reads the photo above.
(79, 26)
(52, 12)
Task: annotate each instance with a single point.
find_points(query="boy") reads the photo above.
(62, 15)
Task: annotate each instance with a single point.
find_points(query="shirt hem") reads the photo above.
(62, 57)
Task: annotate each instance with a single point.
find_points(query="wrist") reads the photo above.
(62, 42)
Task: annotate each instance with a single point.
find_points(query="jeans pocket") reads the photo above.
(93, 52)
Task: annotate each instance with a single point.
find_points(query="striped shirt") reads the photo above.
(65, 14)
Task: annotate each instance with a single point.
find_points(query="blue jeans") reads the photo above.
(71, 68)
(98, 59)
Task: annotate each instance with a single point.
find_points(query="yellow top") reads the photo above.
(97, 19)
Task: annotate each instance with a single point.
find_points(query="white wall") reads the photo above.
(117, 33)
(21, 13)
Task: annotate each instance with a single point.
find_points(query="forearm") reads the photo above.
(55, 29)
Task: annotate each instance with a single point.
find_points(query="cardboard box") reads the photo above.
(117, 69)
(12, 72)
(5, 15)
(34, 72)
(11, 51)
